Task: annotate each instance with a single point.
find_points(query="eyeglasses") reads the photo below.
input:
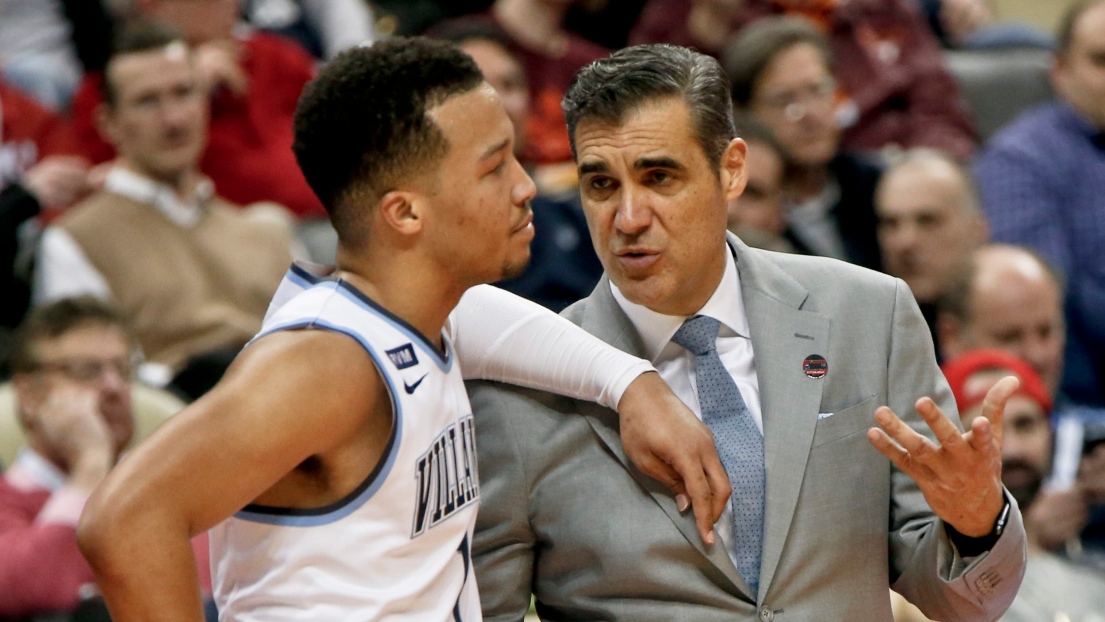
(795, 103)
(89, 370)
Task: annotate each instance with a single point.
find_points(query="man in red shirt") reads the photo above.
(72, 363)
(254, 80)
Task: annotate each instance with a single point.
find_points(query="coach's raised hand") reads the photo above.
(961, 475)
(667, 442)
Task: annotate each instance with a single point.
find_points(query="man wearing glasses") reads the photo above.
(781, 73)
(71, 364)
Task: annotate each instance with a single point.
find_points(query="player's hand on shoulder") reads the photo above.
(666, 441)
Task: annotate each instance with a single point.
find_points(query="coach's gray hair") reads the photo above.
(609, 88)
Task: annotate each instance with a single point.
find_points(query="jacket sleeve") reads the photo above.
(925, 566)
(504, 547)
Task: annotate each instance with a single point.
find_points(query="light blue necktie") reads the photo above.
(739, 442)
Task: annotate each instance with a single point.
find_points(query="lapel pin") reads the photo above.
(815, 366)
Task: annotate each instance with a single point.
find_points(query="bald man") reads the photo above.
(1010, 299)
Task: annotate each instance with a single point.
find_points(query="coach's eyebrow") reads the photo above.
(661, 162)
(591, 167)
(495, 149)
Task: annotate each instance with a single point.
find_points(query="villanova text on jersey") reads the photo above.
(446, 476)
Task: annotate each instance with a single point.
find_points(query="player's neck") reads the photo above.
(418, 296)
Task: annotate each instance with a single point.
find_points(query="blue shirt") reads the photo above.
(1042, 181)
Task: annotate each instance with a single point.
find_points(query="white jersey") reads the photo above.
(396, 548)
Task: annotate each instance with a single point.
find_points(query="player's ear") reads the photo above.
(734, 169)
(402, 210)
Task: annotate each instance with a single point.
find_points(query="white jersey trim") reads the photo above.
(312, 517)
(306, 280)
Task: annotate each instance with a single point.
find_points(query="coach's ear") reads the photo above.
(734, 169)
(402, 211)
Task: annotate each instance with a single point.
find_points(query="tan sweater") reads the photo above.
(188, 290)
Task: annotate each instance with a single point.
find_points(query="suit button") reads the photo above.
(766, 614)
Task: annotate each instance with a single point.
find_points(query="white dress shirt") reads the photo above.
(64, 270)
(677, 364)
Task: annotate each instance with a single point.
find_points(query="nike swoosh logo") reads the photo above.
(411, 387)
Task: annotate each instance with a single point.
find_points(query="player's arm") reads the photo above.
(500, 336)
(286, 398)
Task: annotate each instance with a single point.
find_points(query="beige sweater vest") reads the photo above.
(188, 290)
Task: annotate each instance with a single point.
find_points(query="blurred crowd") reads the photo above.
(150, 202)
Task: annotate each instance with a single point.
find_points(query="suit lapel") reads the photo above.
(783, 336)
(603, 318)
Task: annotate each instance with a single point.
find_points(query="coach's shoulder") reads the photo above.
(827, 279)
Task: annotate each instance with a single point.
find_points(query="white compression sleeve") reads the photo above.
(503, 337)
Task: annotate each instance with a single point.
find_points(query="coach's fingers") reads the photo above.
(946, 433)
(918, 447)
(899, 456)
(993, 406)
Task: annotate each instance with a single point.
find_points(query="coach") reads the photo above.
(787, 359)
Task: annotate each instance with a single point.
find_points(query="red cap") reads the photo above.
(961, 368)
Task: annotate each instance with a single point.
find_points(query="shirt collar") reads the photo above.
(31, 471)
(726, 305)
(184, 213)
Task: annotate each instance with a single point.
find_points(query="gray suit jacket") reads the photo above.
(564, 515)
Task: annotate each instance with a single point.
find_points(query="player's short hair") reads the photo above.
(58, 318)
(1064, 34)
(609, 88)
(137, 36)
(747, 57)
(362, 128)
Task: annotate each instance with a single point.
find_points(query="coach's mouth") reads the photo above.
(636, 258)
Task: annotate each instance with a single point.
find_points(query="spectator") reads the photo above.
(46, 46)
(757, 216)
(1042, 179)
(194, 272)
(894, 89)
(254, 80)
(779, 70)
(971, 24)
(1010, 300)
(1053, 588)
(550, 55)
(322, 27)
(929, 224)
(563, 266)
(72, 362)
(37, 169)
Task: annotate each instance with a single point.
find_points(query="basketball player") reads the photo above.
(335, 461)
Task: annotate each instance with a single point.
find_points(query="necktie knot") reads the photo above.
(698, 334)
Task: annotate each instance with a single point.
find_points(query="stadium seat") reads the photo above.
(1000, 83)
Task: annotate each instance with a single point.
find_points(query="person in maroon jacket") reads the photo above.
(72, 364)
(894, 89)
(254, 80)
(551, 55)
